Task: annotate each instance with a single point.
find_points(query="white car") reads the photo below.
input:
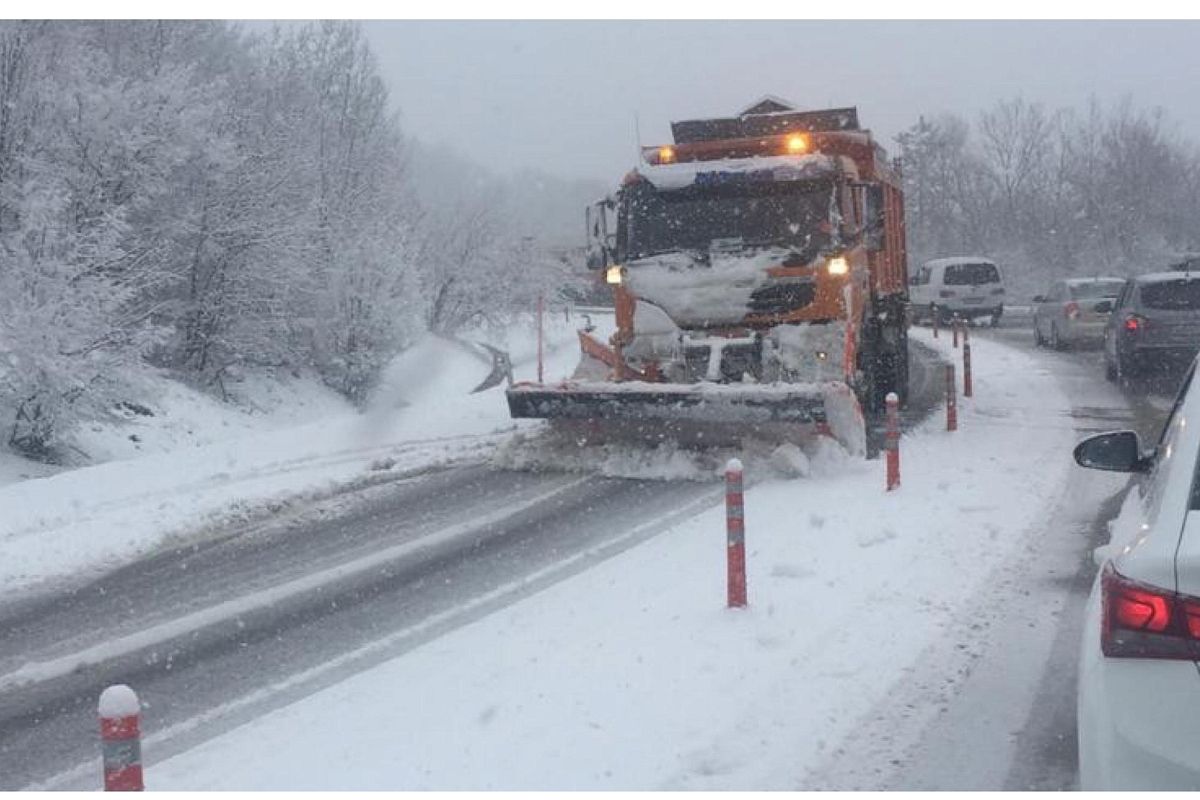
(1139, 671)
(966, 286)
(1074, 311)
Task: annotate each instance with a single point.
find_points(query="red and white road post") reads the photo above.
(121, 739)
(954, 323)
(951, 400)
(934, 322)
(735, 534)
(892, 441)
(967, 388)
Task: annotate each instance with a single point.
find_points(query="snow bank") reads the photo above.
(207, 466)
(633, 675)
(177, 416)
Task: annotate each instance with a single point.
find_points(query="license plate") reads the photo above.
(972, 300)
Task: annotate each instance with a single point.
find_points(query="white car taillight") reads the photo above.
(1142, 621)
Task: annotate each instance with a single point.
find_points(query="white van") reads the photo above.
(966, 286)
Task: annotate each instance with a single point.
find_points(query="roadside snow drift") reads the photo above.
(78, 522)
(633, 675)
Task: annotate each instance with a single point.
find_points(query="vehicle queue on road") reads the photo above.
(1139, 659)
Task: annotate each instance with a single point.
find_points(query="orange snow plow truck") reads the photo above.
(758, 273)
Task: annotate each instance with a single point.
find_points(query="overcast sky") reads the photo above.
(562, 95)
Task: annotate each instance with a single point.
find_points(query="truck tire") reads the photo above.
(883, 360)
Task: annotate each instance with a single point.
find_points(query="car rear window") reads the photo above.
(971, 274)
(1181, 294)
(1096, 289)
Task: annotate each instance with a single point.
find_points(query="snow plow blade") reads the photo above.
(718, 403)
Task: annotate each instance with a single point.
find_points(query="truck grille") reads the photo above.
(780, 297)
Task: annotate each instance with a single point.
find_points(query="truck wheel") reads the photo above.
(870, 360)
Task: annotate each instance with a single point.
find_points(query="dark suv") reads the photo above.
(1155, 322)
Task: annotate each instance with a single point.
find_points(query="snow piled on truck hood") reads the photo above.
(695, 293)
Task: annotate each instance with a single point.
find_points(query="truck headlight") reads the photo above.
(838, 265)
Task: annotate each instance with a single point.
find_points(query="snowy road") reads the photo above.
(411, 561)
(222, 634)
(992, 704)
(217, 633)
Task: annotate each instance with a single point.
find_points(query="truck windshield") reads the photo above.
(783, 214)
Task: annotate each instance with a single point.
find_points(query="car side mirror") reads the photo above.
(1118, 451)
(1039, 298)
(599, 240)
(1103, 307)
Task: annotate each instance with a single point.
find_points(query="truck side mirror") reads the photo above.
(873, 235)
(599, 240)
(597, 258)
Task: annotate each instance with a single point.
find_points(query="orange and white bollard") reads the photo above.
(892, 441)
(951, 400)
(735, 535)
(967, 387)
(121, 739)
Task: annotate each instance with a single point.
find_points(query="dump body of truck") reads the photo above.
(755, 262)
